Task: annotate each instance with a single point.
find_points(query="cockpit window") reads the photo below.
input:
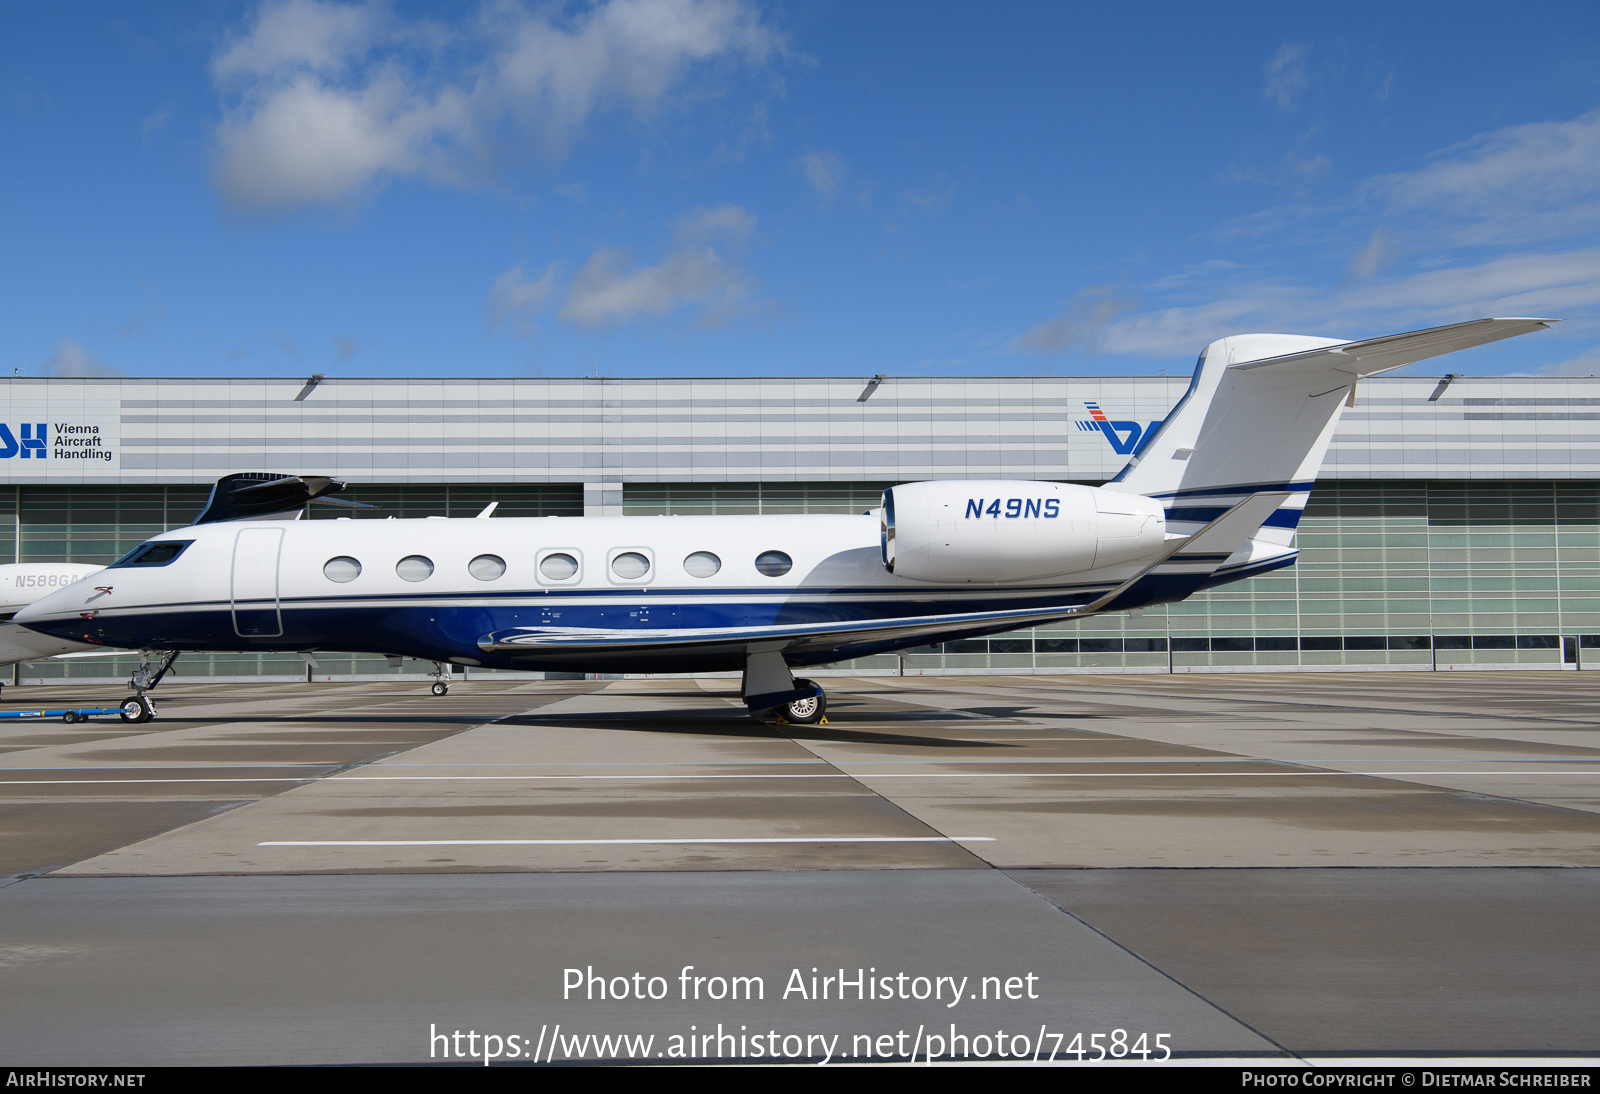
(153, 554)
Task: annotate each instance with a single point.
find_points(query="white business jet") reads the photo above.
(1211, 496)
(21, 583)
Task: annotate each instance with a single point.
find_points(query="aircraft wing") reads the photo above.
(1377, 355)
(798, 638)
(266, 495)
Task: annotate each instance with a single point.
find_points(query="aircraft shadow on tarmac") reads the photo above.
(733, 723)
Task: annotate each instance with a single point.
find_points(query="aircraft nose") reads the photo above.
(60, 602)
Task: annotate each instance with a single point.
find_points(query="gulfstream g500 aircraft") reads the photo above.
(1211, 496)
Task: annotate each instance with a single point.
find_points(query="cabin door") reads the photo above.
(255, 583)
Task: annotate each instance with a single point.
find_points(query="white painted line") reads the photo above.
(618, 842)
(383, 765)
(1060, 762)
(146, 765)
(935, 775)
(131, 782)
(838, 775)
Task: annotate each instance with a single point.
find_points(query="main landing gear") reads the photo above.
(441, 681)
(770, 690)
(153, 665)
(812, 710)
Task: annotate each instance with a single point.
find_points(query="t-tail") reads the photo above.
(1256, 423)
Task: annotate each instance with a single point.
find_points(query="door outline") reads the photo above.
(254, 583)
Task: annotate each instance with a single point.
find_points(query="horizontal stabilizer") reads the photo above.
(1377, 355)
(1230, 531)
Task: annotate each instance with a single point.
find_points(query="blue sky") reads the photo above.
(728, 188)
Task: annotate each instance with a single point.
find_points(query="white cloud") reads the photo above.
(1528, 284)
(825, 171)
(1501, 225)
(608, 290)
(513, 298)
(1585, 364)
(1525, 182)
(727, 222)
(1286, 75)
(1183, 331)
(71, 360)
(152, 125)
(1209, 269)
(1543, 286)
(1294, 171)
(1375, 257)
(298, 34)
(933, 200)
(311, 143)
(281, 339)
(623, 49)
(328, 100)
(345, 346)
(1078, 325)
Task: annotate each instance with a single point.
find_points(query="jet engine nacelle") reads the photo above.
(1002, 530)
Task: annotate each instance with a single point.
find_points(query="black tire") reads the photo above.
(72, 717)
(440, 688)
(137, 709)
(805, 712)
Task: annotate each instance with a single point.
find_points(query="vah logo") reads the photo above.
(72, 442)
(1114, 431)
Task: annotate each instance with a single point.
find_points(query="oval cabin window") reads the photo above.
(702, 564)
(558, 567)
(487, 567)
(341, 569)
(774, 563)
(630, 565)
(414, 568)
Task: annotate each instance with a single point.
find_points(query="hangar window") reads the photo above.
(414, 568)
(487, 567)
(153, 554)
(702, 564)
(558, 567)
(630, 565)
(774, 563)
(341, 569)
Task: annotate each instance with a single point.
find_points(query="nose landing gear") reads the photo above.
(441, 682)
(138, 707)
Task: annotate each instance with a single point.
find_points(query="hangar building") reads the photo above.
(1456, 522)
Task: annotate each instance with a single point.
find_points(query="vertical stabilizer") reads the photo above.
(1258, 417)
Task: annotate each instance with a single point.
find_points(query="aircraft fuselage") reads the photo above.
(440, 588)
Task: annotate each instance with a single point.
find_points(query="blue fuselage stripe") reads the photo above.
(445, 631)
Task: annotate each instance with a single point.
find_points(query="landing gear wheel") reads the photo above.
(808, 711)
(137, 709)
(72, 717)
(441, 688)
